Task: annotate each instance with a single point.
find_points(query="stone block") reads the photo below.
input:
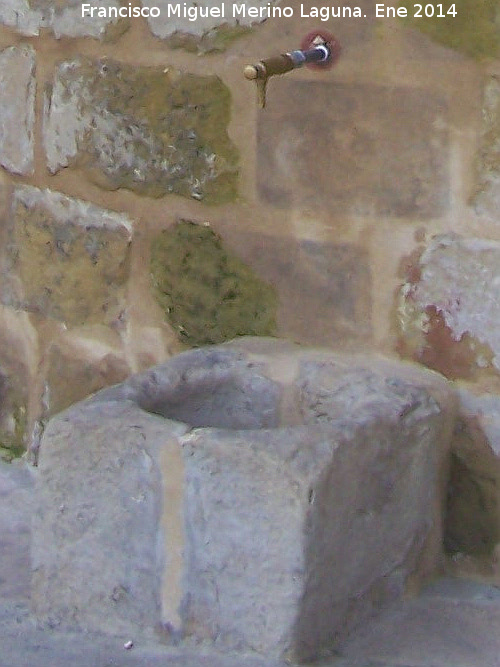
(202, 17)
(17, 109)
(323, 288)
(207, 293)
(257, 495)
(102, 538)
(18, 14)
(354, 149)
(206, 26)
(449, 308)
(65, 259)
(152, 130)
(63, 17)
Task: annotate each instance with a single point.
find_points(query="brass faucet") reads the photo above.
(322, 53)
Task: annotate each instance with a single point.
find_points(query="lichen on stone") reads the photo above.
(152, 130)
(208, 294)
(474, 31)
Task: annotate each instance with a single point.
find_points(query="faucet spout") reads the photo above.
(319, 50)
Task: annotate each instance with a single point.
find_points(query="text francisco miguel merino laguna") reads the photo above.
(232, 10)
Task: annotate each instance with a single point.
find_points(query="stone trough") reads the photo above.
(257, 494)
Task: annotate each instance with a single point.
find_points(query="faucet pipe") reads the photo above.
(319, 50)
(287, 62)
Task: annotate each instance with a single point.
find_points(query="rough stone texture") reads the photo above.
(65, 259)
(324, 289)
(16, 505)
(18, 365)
(487, 196)
(449, 308)
(152, 130)
(346, 452)
(473, 512)
(63, 17)
(197, 28)
(208, 295)
(18, 14)
(372, 165)
(79, 364)
(453, 623)
(17, 109)
(102, 538)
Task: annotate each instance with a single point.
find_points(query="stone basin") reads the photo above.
(258, 495)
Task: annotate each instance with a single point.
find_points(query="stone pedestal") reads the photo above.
(256, 494)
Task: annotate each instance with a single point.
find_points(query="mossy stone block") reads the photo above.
(208, 294)
(151, 130)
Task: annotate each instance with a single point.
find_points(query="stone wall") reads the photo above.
(149, 205)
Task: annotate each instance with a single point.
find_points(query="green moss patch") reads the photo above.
(474, 31)
(208, 295)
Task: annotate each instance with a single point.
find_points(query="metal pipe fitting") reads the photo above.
(318, 51)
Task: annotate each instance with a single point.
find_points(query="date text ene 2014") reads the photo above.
(439, 11)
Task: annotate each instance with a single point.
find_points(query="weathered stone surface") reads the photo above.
(16, 505)
(324, 289)
(103, 537)
(19, 15)
(372, 164)
(65, 258)
(208, 294)
(473, 508)
(17, 108)
(78, 365)
(275, 497)
(18, 366)
(487, 196)
(151, 130)
(63, 17)
(449, 307)
(208, 32)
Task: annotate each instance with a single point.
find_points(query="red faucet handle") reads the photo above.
(320, 36)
